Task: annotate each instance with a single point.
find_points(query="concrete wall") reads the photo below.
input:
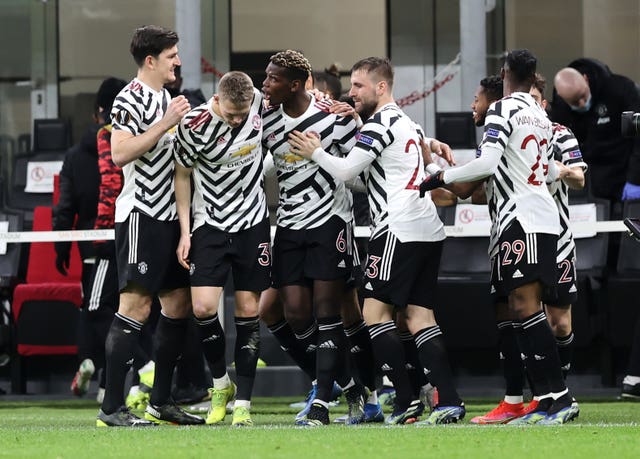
(560, 32)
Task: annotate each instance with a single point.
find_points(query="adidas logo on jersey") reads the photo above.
(221, 140)
(355, 349)
(517, 274)
(328, 345)
(310, 348)
(368, 286)
(538, 357)
(211, 338)
(408, 366)
(573, 289)
(342, 264)
(386, 367)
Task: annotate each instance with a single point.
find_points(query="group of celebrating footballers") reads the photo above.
(193, 210)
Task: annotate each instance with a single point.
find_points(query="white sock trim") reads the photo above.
(222, 383)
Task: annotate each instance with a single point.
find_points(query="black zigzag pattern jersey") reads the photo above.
(567, 151)
(227, 167)
(520, 131)
(393, 178)
(148, 181)
(309, 196)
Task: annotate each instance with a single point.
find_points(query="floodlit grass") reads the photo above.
(66, 429)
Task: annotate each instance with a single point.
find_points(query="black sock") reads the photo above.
(390, 360)
(545, 351)
(329, 355)
(168, 344)
(433, 357)
(288, 343)
(565, 352)
(190, 369)
(361, 354)
(413, 365)
(634, 357)
(512, 366)
(247, 351)
(307, 341)
(538, 382)
(119, 349)
(213, 344)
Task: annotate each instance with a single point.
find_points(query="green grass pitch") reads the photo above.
(66, 429)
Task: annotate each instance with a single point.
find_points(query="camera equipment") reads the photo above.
(634, 227)
(630, 124)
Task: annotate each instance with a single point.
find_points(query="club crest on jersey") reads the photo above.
(364, 139)
(491, 132)
(256, 121)
(271, 137)
(143, 267)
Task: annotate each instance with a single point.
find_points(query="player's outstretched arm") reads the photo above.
(126, 147)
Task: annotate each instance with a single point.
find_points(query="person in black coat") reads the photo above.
(589, 99)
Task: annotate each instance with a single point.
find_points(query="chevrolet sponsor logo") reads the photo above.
(244, 151)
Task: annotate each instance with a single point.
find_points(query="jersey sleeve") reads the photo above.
(566, 147)
(374, 137)
(184, 150)
(345, 131)
(497, 127)
(126, 114)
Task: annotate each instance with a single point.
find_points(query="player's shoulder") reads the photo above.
(196, 117)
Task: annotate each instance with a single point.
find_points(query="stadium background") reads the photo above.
(56, 52)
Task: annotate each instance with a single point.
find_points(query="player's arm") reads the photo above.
(573, 177)
(126, 147)
(444, 197)
(344, 169)
(183, 207)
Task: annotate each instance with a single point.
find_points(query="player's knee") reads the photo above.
(204, 309)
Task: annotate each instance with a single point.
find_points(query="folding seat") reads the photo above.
(45, 309)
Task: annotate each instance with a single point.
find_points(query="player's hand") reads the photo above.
(443, 150)
(62, 262)
(344, 109)
(431, 183)
(319, 95)
(178, 107)
(182, 252)
(303, 144)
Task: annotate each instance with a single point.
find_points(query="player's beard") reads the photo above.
(367, 109)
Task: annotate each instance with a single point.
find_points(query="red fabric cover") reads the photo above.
(45, 291)
(30, 349)
(56, 189)
(45, 283)
(42, 255)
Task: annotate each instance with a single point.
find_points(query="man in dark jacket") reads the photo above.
(77, 209)
(589, 99)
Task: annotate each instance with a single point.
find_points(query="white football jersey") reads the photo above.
(567, 151)
(227, 167)
(393, 178)
(519, 129)
(308, 195)
(148, 181)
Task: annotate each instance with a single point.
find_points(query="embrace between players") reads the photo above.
(317, 148)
